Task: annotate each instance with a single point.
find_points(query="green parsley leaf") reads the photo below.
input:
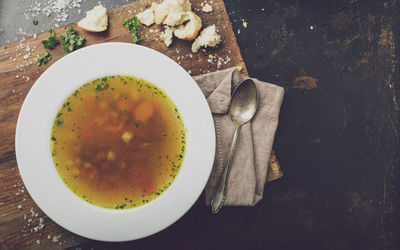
(39, 60)
(132, 24)
(35, 22)
(52, 41)
(71, 39)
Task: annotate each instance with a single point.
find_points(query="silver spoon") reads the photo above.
(242, 108)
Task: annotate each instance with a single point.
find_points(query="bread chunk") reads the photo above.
(96, 20)
(167, 35)
(190, 30)
(146, 17)
(207, 38)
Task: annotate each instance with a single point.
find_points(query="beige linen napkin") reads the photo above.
(248, 171)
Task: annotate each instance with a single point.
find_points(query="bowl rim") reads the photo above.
(79, 216)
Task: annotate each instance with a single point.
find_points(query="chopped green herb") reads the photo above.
(132, 24)
(102, 86)
(35, 22)
(39, 60)
(53, 138)
(71, 40)
(59, 122)
(52, 41)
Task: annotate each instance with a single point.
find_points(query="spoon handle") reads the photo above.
(219, 193)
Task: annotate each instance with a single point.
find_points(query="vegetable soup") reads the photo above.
(118, 142)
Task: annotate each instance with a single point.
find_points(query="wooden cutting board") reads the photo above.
(22, 223)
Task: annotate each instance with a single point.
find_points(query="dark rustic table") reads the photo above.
(338, 137)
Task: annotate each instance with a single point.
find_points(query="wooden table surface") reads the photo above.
(22, 223)
(337, 140)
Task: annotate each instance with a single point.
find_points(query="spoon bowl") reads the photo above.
(244, 102)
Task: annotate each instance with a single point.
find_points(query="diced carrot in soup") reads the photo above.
(144, 111)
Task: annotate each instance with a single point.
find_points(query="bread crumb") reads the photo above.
(207, 8)
(146, 17)
(207, 38)
(238, 31)
(178, 11)
(96, 20)
(160, 11)
(167, 35)
(239, 68)
(190, 30)
(244, 24)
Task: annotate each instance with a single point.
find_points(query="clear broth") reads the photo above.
(118, 142)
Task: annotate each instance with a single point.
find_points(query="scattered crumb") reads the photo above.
(244, 24)
(19, 207)
(55, 239)
(207, 8)
(238, 31)
(239, 68)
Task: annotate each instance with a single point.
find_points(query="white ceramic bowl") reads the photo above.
(33, 137)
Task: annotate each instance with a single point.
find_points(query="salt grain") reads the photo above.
(55, 8)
